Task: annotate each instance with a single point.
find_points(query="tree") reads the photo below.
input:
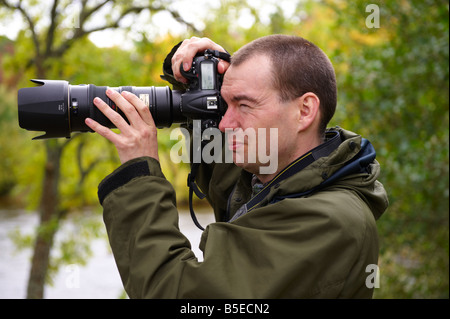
(50, 42)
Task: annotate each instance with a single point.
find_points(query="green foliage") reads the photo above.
(73, 246)
(7, 118)
(21, 161)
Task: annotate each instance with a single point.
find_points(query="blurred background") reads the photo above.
(392, 65)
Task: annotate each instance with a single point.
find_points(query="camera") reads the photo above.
(58, 108)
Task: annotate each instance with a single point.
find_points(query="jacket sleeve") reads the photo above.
(292, 255)
(141, 219)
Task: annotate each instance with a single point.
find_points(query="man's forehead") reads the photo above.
(257, 62)
(254, 72)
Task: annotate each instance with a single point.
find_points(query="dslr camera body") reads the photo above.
(58, 108)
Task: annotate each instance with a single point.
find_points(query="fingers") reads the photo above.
(102, 130)
(142, 109)
(223, 66)
(137, 113)
(112, 115)
(136, 139)
(187, 51)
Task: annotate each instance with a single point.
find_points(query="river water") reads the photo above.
(99, 278)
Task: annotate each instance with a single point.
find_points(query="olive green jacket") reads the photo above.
(313, 235)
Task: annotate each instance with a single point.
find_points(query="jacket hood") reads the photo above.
(352, 165)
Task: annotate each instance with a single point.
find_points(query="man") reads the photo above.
(305, 230)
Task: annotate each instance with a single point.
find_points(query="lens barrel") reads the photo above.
(59, 108)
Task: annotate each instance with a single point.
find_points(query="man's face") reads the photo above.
(253, 104)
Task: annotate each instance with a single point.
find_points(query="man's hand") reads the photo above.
(187, 51)
(135, 139)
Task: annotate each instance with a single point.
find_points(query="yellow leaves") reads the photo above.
(369, 39)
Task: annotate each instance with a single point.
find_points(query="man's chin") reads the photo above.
(249, 167)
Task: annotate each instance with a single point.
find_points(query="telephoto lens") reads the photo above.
(58, 108)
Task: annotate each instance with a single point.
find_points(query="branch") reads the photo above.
(176, 15)
(18, 7)
(84, 14)
(84, 172)
(51, 29)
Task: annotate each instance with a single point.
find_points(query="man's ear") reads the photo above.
(308, 105)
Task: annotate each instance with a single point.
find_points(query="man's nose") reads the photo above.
(229, 120)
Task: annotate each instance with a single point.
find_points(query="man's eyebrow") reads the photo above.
(243, 97)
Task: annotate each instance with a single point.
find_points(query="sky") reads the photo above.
(193, 11)
(163, 21)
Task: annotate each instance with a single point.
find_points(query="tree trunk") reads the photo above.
(49, 218)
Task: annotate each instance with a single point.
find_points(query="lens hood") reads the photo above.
(45, 108)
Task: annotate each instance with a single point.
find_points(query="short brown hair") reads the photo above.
(298, 67)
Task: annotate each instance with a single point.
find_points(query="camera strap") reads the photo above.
(193, 188)
(221, 55)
